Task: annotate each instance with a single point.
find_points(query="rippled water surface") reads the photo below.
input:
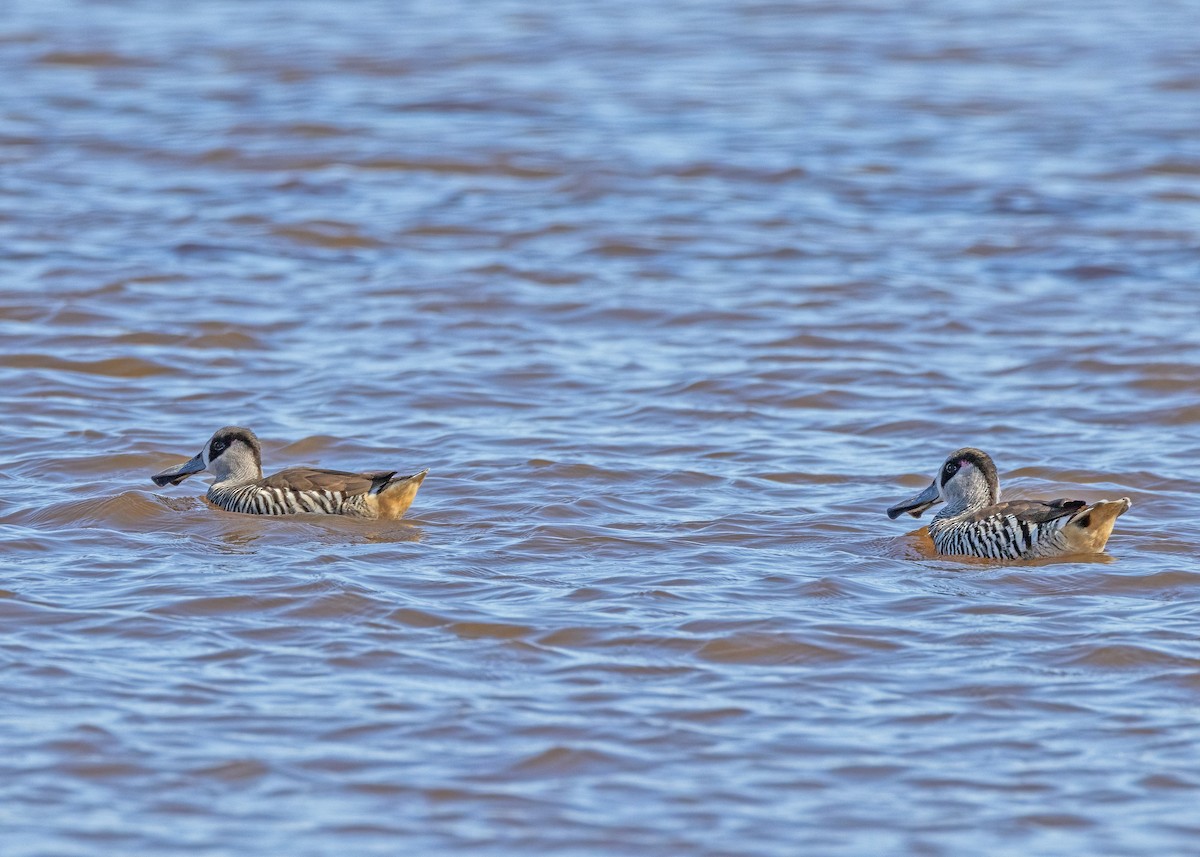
(674, 300)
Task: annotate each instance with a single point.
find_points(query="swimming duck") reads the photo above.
(234, 457)
(975, 523)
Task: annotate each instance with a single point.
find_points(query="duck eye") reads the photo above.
(218, 445)
(951, 468)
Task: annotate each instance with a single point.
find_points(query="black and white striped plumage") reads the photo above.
(255, 499)
(974, 522)
(234, 456)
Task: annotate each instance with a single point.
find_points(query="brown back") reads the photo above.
(1031, 511)
(338, 481)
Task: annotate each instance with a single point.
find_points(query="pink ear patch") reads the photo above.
(964, 464)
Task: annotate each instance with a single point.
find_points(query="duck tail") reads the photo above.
(1089, 529)
(397, 495)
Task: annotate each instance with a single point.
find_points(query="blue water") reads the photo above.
(673, 301)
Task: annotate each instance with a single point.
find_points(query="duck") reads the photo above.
(975, 523)
(233, 455)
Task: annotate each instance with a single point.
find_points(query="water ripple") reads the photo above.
(673, 301)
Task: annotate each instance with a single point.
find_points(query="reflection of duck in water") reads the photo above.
(234, 457)
(974, 523)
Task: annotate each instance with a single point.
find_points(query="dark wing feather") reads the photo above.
(338, 481)
(1031, 511)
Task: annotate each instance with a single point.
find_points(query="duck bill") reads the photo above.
(917, 504)
(175, 475)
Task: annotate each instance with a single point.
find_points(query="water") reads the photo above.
(674, 301)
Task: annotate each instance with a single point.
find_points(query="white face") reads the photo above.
(960, 483)
(214, 449)
(227, 455)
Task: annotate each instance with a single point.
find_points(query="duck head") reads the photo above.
(967, 480)
(232, 453)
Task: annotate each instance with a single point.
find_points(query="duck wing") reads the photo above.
(1031, 511)
(335, 481)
